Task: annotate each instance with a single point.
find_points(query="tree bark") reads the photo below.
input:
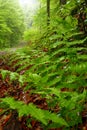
(48, 12)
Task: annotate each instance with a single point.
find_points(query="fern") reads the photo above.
(13, 76)
(59, 74)
(4, 73)
(41, 115)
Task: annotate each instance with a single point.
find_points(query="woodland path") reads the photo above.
(4, 52)
(11, 50)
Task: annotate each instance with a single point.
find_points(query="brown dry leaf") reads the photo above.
(1, 127)
(5, 118)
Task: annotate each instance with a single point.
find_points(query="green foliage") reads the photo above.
(13, 76)
(31, 35)
(11, 23)
(40, 115)
(55, 67)
(4, 73)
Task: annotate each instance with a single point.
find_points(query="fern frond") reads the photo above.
(41, 115)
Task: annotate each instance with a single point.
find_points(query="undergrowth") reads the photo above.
(57, 70)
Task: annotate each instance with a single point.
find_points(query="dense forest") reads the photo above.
(43, 65)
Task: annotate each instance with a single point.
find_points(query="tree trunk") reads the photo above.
(48, 12)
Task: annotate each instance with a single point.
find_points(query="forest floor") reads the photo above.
(9, 119)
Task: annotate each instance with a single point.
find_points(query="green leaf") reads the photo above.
(41, 115)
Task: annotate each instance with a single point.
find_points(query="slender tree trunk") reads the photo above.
(40, 17)
(48, 12)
